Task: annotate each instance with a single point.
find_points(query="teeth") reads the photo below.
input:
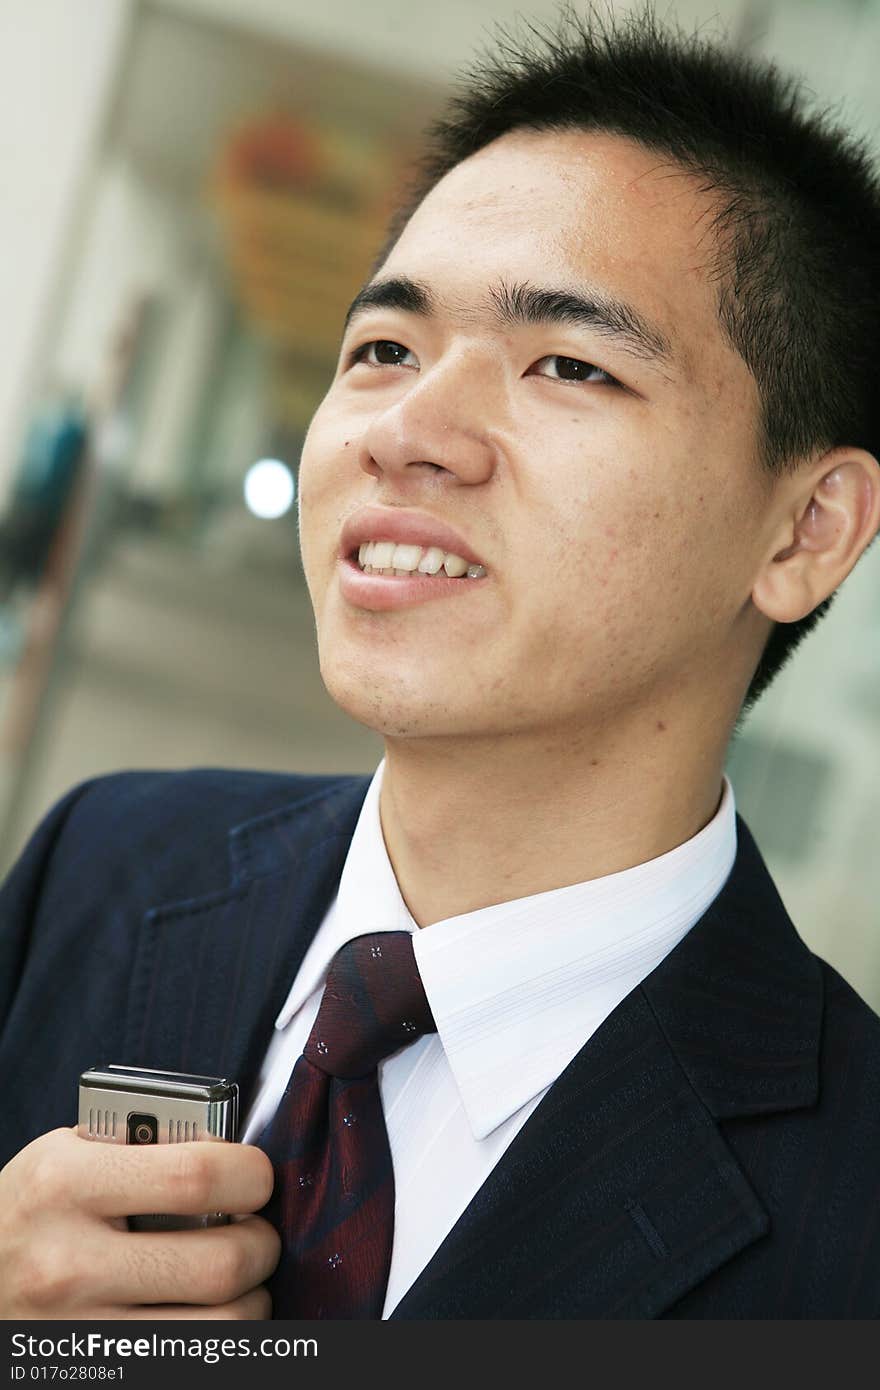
(455, 566)
(431, 561)
(382, 553)
(405, 557)
(386, 557)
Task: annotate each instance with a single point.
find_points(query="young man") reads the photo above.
(615, 371)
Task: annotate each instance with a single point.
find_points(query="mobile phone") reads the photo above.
(132, 1105)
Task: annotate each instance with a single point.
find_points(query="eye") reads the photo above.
(574, 370)
(381, 352)
(384, 352)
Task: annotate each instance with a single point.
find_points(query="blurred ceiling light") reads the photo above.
(269, 488)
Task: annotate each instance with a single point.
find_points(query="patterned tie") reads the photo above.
(333, 1202)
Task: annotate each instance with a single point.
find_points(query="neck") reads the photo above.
(472, 822)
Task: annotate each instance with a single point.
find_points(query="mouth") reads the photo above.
(401, 561)
(426, 574)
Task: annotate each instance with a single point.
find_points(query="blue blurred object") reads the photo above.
(54, 450)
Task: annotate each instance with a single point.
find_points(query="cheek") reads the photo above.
(601, 520)
(313, 469)
(622, 555)
(318, 482)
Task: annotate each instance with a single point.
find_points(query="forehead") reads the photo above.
(573, 207)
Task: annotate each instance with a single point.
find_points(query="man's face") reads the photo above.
(620, 525)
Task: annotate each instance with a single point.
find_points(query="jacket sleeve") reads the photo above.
(21, 894)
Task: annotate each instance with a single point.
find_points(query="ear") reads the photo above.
(829, 517)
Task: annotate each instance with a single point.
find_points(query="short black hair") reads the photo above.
(797, 220)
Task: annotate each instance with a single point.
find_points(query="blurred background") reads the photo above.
(193, 192)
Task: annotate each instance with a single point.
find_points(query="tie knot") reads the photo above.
(373, 1004)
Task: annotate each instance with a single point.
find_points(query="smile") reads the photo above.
(390, 558)
(388, 587)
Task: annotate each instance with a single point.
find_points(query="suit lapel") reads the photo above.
(211, 973)
(615, 1198)
(621, 1193)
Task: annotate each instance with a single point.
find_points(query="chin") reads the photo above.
(387, 708)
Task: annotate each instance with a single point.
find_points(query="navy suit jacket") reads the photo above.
(712, 1151)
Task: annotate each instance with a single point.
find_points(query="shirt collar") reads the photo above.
(367, 900)
(517, 988)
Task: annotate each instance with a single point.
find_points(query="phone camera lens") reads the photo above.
(143, 1129)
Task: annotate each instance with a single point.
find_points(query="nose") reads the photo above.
(444, 421)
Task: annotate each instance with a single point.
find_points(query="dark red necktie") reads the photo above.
(333, 1203)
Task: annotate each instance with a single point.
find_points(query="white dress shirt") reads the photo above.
(516, 990)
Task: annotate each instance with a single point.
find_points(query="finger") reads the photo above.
(61, 1170)
(211, 1266)
(185, 1179)
(254, 1306)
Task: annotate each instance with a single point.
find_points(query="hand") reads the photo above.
(65, 1247)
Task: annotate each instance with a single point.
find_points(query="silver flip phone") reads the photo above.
(130, 1105)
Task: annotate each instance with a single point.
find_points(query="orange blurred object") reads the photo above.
(274, 152)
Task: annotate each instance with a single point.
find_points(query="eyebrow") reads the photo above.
(515, 305)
